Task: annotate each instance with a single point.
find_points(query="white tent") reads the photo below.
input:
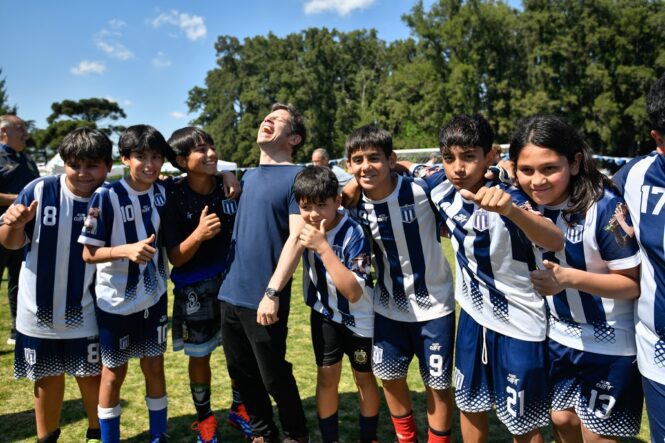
(57, 166)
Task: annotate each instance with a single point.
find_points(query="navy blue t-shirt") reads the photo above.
(184, 207)
(16, 171)
(259, 234)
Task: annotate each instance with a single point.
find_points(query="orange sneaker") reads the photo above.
(206, 430)
(238, 418)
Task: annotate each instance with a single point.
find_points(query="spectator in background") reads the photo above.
(320, 157)
(434, 159)
(16, 170)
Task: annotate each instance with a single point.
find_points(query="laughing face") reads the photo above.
(275, 129)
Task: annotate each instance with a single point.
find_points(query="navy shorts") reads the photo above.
(654, 394)
(492, 369)
(604, 390)
(197, 318)
(36, 358)
(138, 335)
(332, 340)
(396, 342)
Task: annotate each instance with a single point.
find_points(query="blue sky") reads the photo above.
(147, 55)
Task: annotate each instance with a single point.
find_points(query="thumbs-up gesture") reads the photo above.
(17, 215)
(313, 237)
(491, 199)
(551, 280)
(140, 252)
(209, 226)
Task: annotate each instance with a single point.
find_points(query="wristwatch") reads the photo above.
(272, 294)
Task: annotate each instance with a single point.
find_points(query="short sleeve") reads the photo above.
(357, 256)
(98, 222)
(615, 236)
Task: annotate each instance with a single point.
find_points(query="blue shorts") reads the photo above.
(492, 369)
(604, 390)
(138, 335)
(654, 394)
(197, 318)
(36, 358)
(396, 342)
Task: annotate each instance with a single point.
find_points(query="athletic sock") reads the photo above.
(201, 397)
(237, 398)
(157, 415)
(434, 436)
(93, 434)
(51, 437)
(329, 427)
(109, 423)
(405, 428)
(368, 426)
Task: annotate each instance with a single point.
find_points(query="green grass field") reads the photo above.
(16, 404)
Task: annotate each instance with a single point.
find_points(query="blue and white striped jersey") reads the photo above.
(54, 291)
(351, 246)
(494, 258)
(596, 243)
(119, 215)
(642, 182)
(414, 282)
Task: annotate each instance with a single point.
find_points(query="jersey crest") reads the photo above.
(575, 233)
(408, 213)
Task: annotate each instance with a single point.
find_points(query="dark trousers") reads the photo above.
(256, 359)
(11, 261)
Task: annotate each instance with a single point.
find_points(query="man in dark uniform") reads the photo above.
(16, 171)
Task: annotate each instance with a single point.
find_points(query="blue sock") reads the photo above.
(157, 415)
(109, 423)
(368, 426)
(329, 428)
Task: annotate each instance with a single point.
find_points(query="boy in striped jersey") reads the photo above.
(500, 357)
(413, 297)
(122, 236)
(642, 183)
(335, 278)
(57, 331)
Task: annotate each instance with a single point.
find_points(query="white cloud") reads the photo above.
(192, 25)
(115, 23)
(161, 61)
(342, 7)
(115, 49)
(178, 115)
(125, 102)
(88, 67)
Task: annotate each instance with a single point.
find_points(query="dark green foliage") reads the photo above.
(5, 108)
(591, 62)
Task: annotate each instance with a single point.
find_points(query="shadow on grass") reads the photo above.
(21, 425)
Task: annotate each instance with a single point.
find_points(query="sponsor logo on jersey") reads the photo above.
(574, 233)
(382, 218)
(145, 209)
(360, 356)
(460, 218)
(30, 356)
(604, 385)
(79, 217)
(480, 220)
(229, 207)
(435, 347)
(377, 354)
(159, 200)
(512, 379)
(408, 213)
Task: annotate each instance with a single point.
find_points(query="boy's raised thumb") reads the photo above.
(465, 193)
(150, 239)
(204, 212)
(548, 264)
(322, 226)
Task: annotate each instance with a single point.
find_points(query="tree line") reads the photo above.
(590, 61)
